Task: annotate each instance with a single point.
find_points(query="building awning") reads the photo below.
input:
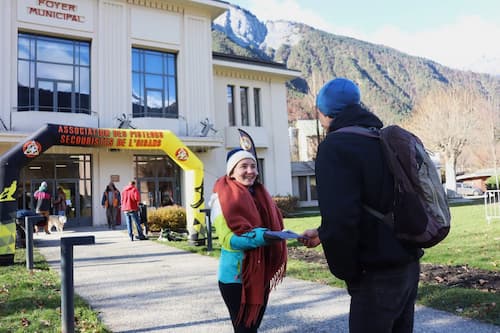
(240, 63)
(202, 143)
(303, 168)
(13, 137)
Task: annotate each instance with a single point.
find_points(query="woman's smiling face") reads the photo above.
(245, 172)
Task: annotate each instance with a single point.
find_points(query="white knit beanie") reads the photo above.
(236, 155)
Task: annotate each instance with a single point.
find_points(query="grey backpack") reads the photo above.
(420, 214)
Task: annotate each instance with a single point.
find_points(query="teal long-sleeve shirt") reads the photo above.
(233, 247)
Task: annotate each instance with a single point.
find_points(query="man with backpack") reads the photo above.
(381, 271)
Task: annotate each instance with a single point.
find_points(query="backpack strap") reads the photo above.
(387, 218)
(371, 132)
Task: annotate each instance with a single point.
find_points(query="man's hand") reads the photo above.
(310, 238)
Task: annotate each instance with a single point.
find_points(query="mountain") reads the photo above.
(390, 81)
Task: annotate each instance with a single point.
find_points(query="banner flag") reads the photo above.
(246, 142)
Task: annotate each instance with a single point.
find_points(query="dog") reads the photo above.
(57, 221)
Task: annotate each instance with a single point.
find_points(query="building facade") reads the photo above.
(141, 64)
(303, 138)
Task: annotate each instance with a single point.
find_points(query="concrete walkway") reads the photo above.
(144, 286)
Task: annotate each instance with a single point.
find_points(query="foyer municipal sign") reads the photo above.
(65, 14)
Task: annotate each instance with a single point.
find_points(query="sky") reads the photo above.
(462, 34)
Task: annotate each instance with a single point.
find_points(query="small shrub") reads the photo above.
(491, 183)
(169, 217)
(287, 204)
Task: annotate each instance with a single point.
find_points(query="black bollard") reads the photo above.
(67, 292)
(29, 222)
(209, 228)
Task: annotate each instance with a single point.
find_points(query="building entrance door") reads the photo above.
(75, 203)
(70, 189)
(71, 173)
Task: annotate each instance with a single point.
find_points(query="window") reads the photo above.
(312, 188)
(243, 116)
(256, 105)
(307, 188)
(230, 105)
(53, 74)
(154, 84)
(260, 165)
(158, 180)
(303, 188)
(245, 119)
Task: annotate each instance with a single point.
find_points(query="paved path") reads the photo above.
(144, 286)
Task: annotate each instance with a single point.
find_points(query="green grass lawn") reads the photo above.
(30, 301)
(471, 241)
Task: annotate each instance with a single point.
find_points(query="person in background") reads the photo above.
(60, 202)
(43, 205)
(250, 265)
(130, 205)
(381, 273)
(111, 201)
(167, 199)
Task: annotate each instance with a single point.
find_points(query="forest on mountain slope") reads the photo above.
(391, 82)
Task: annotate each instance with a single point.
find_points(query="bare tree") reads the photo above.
(315, 82)
(447, 120)
(494, 126)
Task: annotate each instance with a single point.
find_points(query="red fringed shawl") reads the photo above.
(263, 267)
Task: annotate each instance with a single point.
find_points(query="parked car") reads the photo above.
(467, 189)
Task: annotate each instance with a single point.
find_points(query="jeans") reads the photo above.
(132, 215)
(383, 301)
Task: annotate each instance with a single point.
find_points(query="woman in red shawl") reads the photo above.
(250, 265)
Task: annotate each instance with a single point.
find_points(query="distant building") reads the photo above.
(478, 178)
(304, 183)
(303, 138)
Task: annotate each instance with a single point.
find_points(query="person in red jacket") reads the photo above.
(130, 206)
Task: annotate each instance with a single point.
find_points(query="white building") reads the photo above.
(304, 137)
(149, 63)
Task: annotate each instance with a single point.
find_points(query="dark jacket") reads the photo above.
(43, 201)
(60, 203)
(350, 172)
(116, 202)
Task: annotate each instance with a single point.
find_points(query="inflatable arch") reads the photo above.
(64, 135)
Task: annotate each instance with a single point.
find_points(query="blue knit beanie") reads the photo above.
(336, 95)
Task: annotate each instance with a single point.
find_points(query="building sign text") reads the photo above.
(56, 9)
